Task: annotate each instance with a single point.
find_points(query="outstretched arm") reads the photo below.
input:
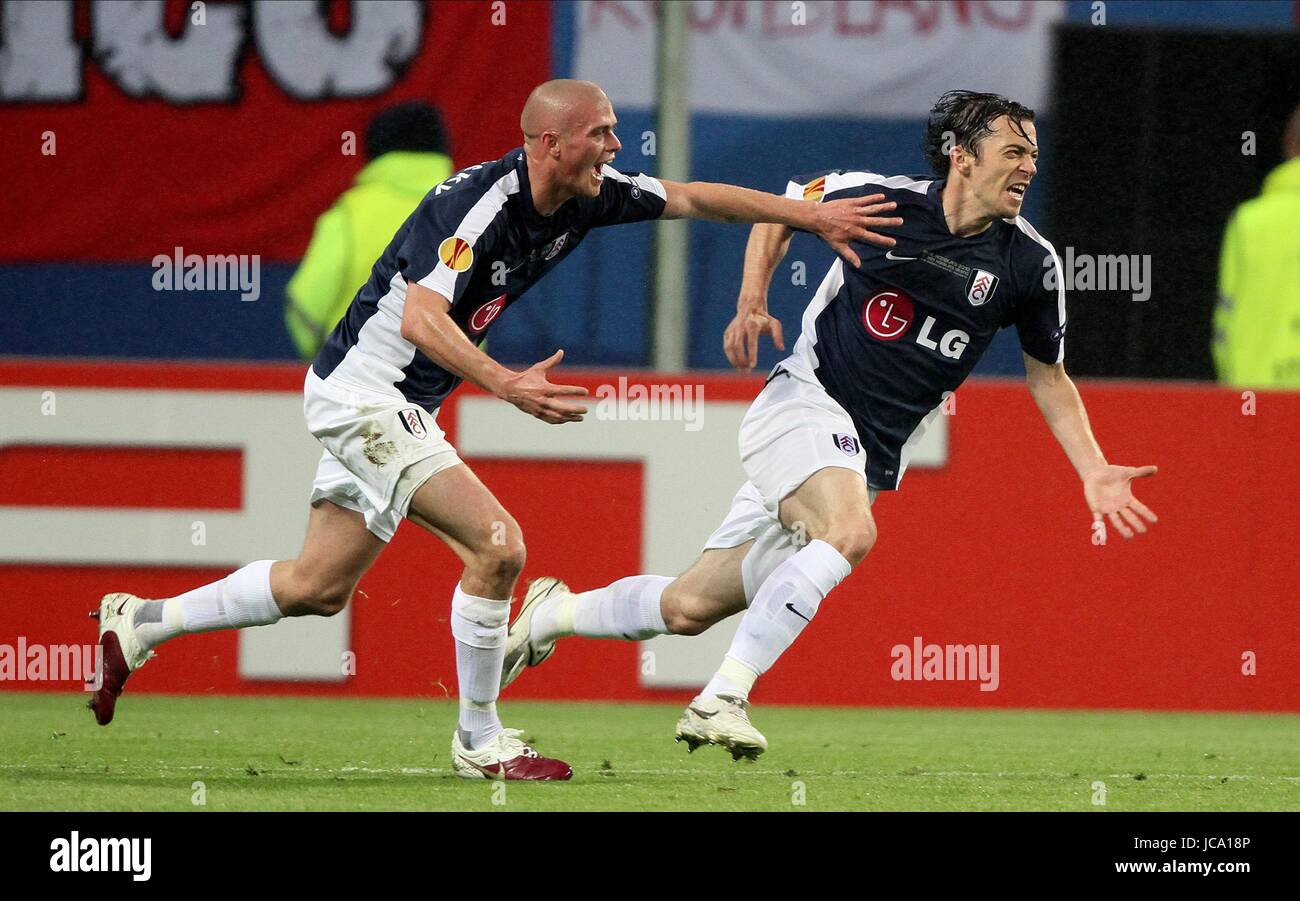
(1106, 487)
(836, 222)
(427, 324)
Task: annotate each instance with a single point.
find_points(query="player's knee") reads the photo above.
(329, 598)
(504, 559)
(853, 540)
(316, 597)
(332, 604)
(680, 623)
(306, 591)
(684, 611)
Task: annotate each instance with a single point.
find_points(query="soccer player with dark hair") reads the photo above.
(884, 340)
(474, 244)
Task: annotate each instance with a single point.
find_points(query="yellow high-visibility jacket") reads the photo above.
(350, 236)
(1257, 320)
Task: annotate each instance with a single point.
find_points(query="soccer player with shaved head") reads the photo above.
(472, 247)
(889, 334)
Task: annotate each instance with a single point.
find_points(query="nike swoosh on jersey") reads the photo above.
(889, 255)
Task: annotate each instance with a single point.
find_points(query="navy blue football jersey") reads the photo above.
(478, 241)
(890, 338)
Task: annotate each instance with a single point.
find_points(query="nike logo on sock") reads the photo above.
(790, 607)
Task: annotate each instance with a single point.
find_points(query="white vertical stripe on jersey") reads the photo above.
(1023, 224)
(376, 361)
(804, 348)
(443, 279)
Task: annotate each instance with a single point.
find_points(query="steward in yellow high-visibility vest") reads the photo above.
(408, 152)
(1257, 321)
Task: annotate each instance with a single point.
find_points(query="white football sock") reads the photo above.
(733, 679)
(478, 723)
(627, 609)
(769, 550)
(553, 617)
(479, 627)
(241, 599)
(786, 602)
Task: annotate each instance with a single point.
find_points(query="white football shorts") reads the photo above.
(792, 430)
(379, 448)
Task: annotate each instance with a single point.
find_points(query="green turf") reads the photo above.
(315, 754)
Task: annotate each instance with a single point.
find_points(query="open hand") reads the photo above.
(851, 219)
(1110, 494)
(531, 392)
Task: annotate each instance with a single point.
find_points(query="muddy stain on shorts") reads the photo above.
(377, 451)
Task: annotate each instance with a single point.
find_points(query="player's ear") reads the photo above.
(960, 159)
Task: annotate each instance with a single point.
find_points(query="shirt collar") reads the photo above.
(533, 219)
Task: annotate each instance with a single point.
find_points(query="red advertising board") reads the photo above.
(993, 548)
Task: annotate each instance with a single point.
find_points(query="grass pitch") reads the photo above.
(317, 754)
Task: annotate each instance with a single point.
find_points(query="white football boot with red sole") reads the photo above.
(120, 651)
(506, 758)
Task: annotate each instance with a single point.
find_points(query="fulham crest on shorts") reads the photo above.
(412, 422)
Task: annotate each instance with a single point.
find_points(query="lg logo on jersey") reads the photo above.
(889, 314)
